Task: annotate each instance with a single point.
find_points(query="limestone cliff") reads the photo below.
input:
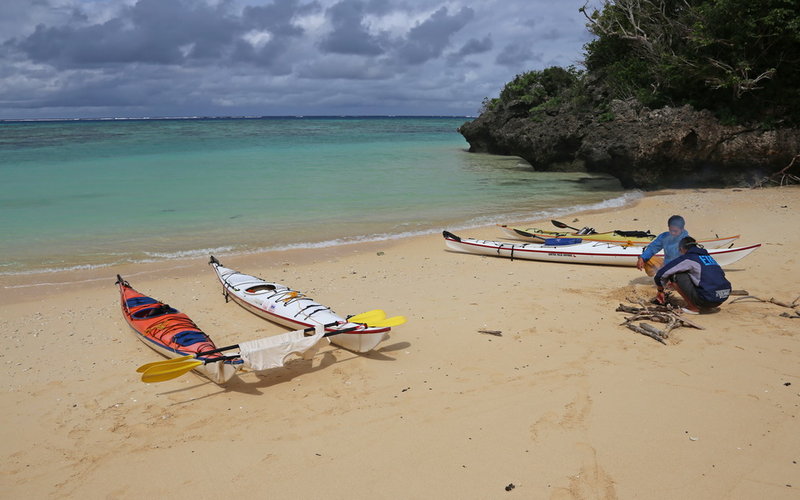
(644, 148)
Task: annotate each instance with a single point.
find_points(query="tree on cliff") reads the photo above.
(675, 93)
(739, 58)
(538, 92)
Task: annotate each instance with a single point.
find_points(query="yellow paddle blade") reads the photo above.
(393, 321)
(147, 366)
(366, 317)
(175, 370)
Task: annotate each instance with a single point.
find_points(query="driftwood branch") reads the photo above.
(496, 333)
(686, 322)
(792, 305)
(654, 312)
(782, 177)
(653, 330)
(640, 329)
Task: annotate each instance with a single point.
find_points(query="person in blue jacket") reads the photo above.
(667, 241)
(696, 276)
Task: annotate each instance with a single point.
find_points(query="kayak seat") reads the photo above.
(152, 312)
(562, 241)
(261, 288)
(189, 337)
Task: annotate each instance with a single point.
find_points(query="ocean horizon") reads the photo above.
(87, 193)
(225, 117)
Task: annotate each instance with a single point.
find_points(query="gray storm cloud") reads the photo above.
(189, 57)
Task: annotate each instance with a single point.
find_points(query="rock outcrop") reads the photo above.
(643, 148)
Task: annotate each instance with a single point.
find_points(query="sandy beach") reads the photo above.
(565, 403)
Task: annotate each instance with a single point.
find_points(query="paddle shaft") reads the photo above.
(234, 346)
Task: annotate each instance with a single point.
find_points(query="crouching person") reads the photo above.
(696, 276)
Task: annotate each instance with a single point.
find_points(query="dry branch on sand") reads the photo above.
(782, 177)
(666, 314)
(794, 305)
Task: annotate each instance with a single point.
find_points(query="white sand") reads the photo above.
(565, 404)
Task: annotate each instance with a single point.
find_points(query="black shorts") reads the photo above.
(684, 281)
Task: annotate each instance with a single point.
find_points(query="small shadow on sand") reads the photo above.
(397, 346)
(202, 383)
(642, 280)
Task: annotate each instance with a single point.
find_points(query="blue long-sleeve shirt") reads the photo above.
(664, 241)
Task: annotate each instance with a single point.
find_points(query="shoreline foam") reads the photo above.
(475, 222)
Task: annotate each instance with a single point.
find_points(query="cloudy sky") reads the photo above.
(134, 58)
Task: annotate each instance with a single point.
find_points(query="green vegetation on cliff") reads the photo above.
(737, 58)
(537, 92)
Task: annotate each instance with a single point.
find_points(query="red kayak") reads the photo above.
(172, 333)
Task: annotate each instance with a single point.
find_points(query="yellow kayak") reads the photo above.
(623, 238)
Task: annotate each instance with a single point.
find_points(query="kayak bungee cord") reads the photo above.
(285, 295)
(322, 308)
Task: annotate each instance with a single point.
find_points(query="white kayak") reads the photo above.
(589, 252)
(280, 304)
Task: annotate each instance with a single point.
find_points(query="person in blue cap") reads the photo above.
(696, 276)
(667, 241)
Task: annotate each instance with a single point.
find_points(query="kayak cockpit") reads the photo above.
(152, 312)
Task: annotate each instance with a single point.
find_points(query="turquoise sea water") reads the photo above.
(94, 193)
